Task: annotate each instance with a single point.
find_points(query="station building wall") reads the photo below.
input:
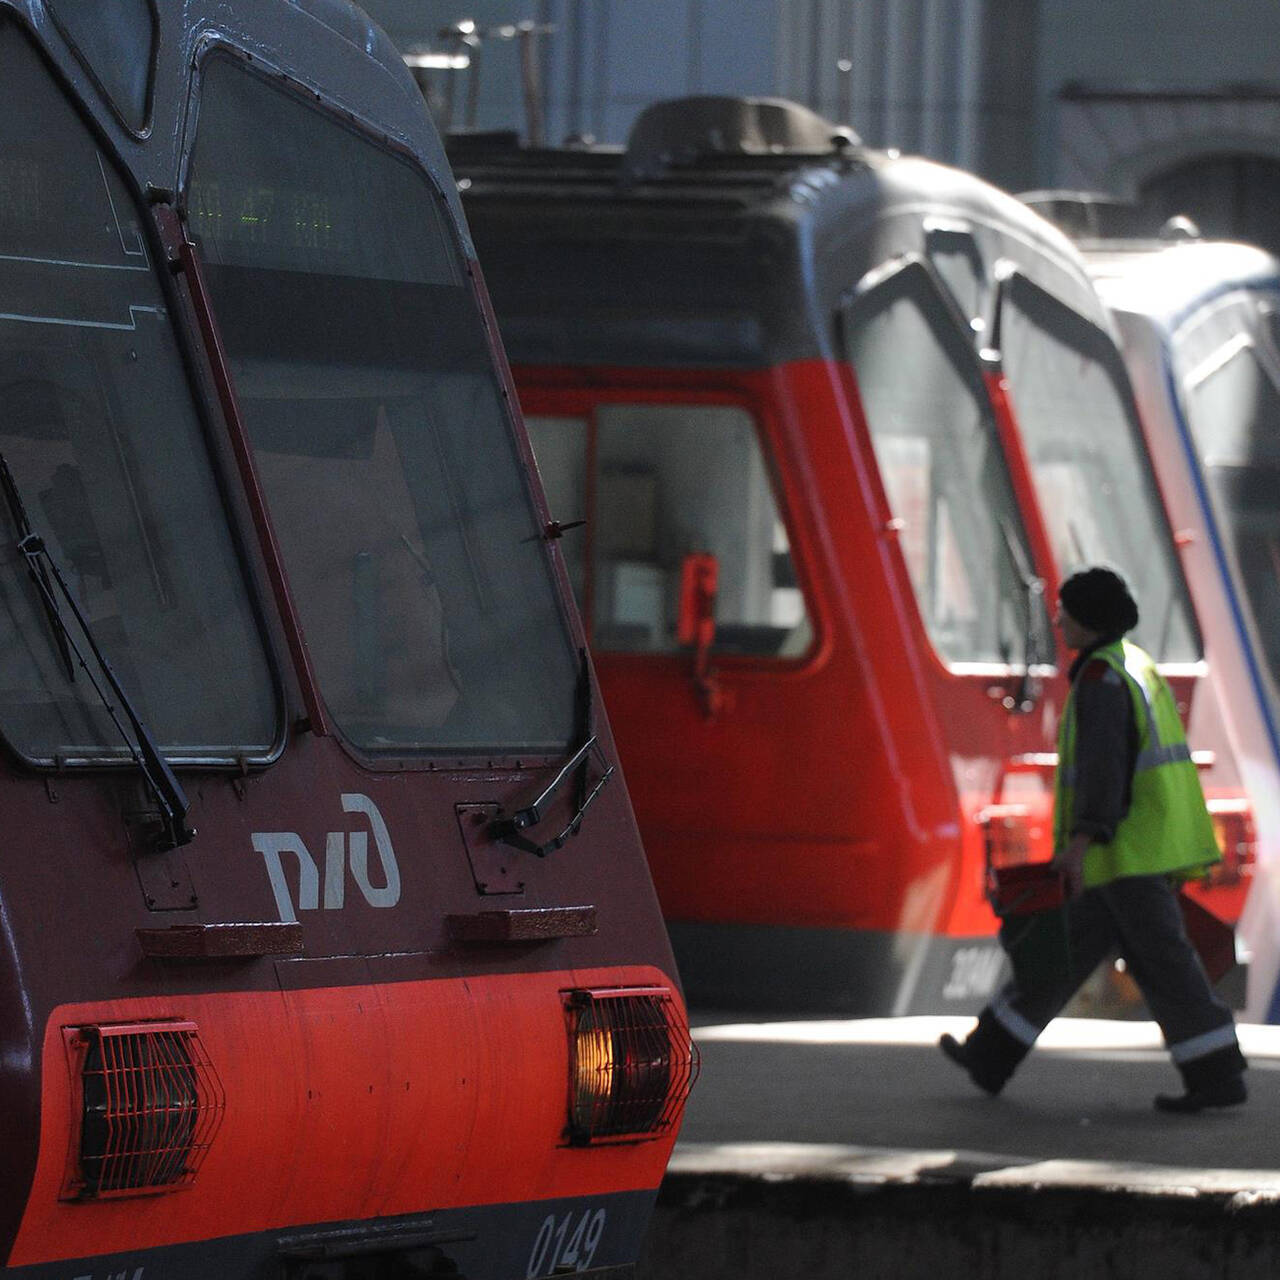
(1177, 102)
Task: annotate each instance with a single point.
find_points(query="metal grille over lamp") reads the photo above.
(149, 1106)
(632, 1063)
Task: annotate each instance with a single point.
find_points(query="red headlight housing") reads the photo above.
(632, 1063)
(147, 1106)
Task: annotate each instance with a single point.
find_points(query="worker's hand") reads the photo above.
(1070, 861)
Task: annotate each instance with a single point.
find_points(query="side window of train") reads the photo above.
(944, 473)
(1233, 407)
(109, 461)
(669, 481)
(388, 459)
(116, 44)
(1089, 462)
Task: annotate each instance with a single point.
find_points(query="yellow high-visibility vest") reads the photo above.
(1167, 829)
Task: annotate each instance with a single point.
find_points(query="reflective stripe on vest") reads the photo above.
(1158, 752)
(1148, 759)
(1168, 828)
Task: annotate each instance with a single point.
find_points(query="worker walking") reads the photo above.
(1129, 821)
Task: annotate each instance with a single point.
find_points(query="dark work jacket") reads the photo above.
(1106, 746)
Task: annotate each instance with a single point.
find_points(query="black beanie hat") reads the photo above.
(1099, 598)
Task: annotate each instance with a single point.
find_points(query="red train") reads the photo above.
(835, 420)
(328, 949)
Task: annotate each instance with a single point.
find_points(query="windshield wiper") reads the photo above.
(1032, 590)
(508, 830)
(170, 799)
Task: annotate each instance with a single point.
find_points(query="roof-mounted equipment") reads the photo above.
(683, 131)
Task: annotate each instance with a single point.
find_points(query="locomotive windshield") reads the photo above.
(104, 444)
(1234, 410)
(387, 456)
(1088, 461)
(944, 473)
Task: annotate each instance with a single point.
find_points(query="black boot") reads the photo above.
(989, 1054)
(1216, 1080)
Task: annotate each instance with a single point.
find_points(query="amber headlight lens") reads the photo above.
(632, 1063)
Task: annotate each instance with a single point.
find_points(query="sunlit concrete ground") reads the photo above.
(875, 1099)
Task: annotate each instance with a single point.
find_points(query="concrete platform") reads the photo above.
(853, 1148)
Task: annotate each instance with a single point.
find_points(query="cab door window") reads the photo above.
(108, 456)
(1088, 460)
(944, 474)
(657, 483)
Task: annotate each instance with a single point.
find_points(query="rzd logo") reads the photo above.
(342, 849)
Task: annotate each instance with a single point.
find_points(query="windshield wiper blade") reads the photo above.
(508, 829)
(37, 570)
(165, 788)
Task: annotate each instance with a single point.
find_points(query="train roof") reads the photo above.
(1168, 282)
(731, 228)
(1151, 266)
(132, 78)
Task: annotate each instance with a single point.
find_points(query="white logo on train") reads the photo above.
(343, 851)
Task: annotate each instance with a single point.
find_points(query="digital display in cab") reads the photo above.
(266, 217)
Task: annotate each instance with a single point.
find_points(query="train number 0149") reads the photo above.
(566, 1244)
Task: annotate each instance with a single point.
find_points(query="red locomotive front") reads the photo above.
(879, 405)
(328, 940)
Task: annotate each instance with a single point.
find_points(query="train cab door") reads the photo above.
(679, 551)
(971, 573)
(1096, 487)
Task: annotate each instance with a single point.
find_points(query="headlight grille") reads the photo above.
(149, 1106)
(632, 1063)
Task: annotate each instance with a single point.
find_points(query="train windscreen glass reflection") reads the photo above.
(109, 461)
(672, 480)
(388, 459)
(944, 474)
(1088, 462)
(1234, 408)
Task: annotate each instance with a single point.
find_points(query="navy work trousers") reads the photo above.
(1140, 917)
